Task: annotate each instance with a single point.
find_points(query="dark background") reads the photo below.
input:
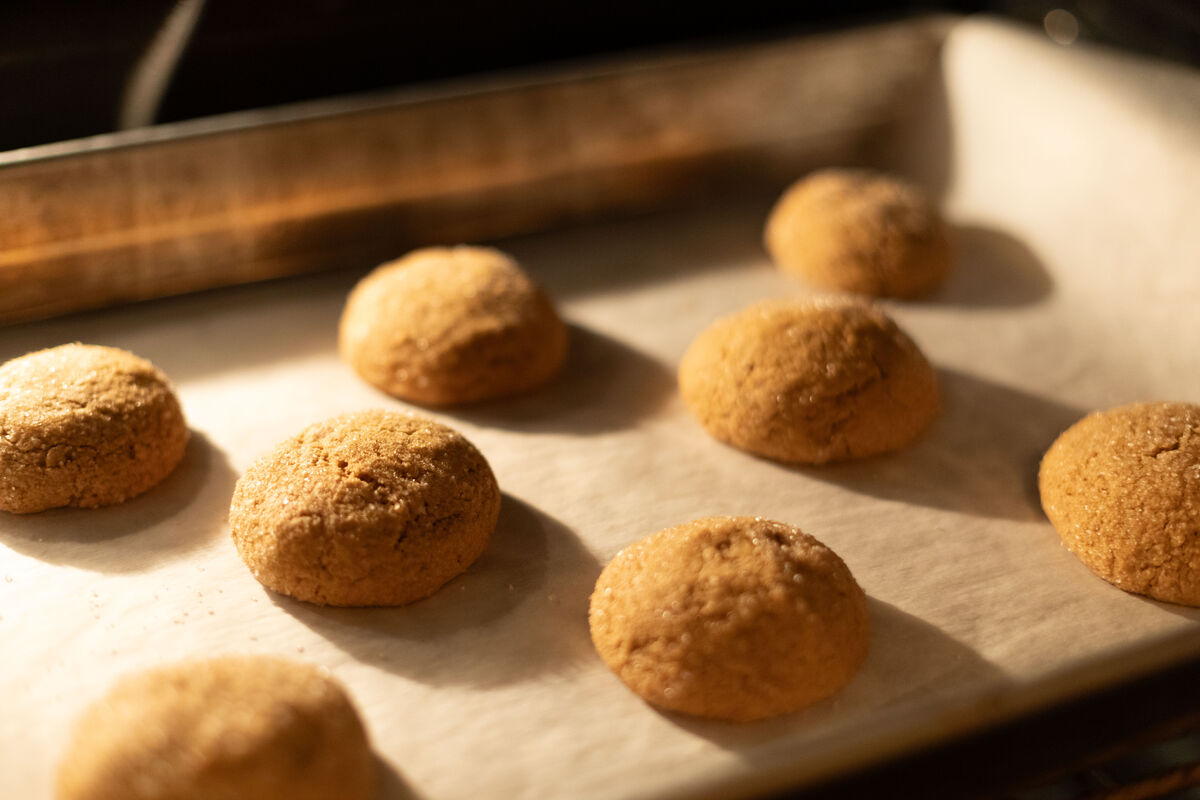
(64, 65)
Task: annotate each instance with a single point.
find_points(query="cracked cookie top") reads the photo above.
(446, 326)
(737, 618)
(859, 231)
(372, 508)
(84, 426)
(809, 382)
(1122, 488)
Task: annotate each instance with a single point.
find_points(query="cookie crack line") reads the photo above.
(1171, 448)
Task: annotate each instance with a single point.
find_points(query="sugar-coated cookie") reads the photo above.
(223, 729)
(809, 381)
(445, 326)
(372, 508)
(737, 618)
(84, 426)
(859, 231)
(1122, 488)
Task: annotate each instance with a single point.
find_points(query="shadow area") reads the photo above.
(186, 510)
(920, 143)
(389, 783)
(519, 611)
(980, 457)
(993, 269)
(1179, 610)
(910, 662)
(605, 385)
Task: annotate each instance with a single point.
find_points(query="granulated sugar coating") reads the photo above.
(737, 618)
(225, 729)
(809, 382)
(445, 326)
(1122, 488)
(85, 426)
(372, 508)
(859, 231)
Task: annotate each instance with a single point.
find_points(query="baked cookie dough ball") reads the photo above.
(1122, 488)
(809, 381)
(859, 231)
(225, 729)
(372, 508)
(446, 326)
(84, 426)
(737, 618)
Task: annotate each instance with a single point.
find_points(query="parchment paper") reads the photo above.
(1073, 179)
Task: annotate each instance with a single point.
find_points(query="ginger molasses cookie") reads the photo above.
(809, 381)
(737, 618)
(86, 426)
(1122, 488)
(859, 231)
(372, 508)
(224, 729)
(444, 326)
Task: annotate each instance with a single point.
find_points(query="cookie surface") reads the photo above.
(809, 381)
(84, 426)
(1122, 488)
(223, 729)
(859, 231)
(444, 326)
(737, 618)
(372, 508)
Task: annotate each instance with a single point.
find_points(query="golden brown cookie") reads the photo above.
(372, 508)
(1122, 488)
(225, 729)
(809, 381)
(737, 618)
(444, 326)
(859, 231)
(85, 426)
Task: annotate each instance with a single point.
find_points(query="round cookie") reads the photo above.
(1122, 488)
(859, 231)
(737, 618)
(224, 729)
(372, 508)
(84, 426)
(446, 326)
(809, 382)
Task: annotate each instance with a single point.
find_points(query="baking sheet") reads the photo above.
(1072, 178)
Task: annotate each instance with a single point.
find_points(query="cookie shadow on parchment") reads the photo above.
(980, 457)
(519, 611)
(911, 664)
(992, 268)
(1187, 612)
(390, 783)
(188, 509)
(605, 385)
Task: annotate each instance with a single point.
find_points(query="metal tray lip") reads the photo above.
(561, 73)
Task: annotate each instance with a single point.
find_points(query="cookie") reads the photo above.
(809, 382)
(223, 729)
(447, 326)
(84, 426)
(736, 618)
(372, 508)
(859, 231)
(1122, 488)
